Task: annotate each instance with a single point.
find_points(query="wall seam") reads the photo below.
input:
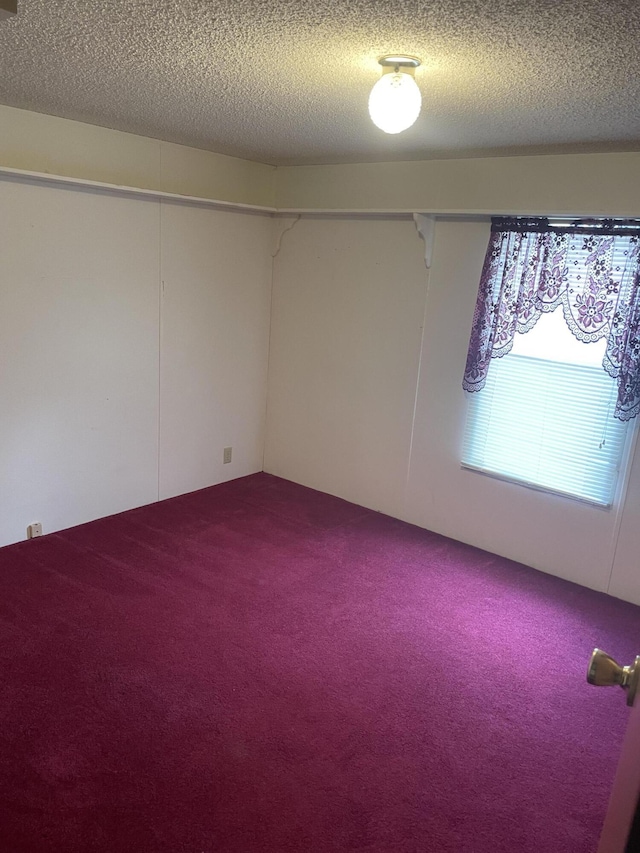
(274, 254)
(615, 536)
(268, 371)
(428, 255)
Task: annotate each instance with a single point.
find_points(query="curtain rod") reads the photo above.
(605, 225)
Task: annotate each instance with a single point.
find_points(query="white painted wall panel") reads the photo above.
(216, 272)
(346, 327)
(555, 534)
(560, 184)
(625, 575)
(88, 379)
(78, 356)
(348, 304)
(35, 142)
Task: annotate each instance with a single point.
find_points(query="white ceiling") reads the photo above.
(287, 81)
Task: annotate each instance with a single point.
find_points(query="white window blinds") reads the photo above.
(547, 424)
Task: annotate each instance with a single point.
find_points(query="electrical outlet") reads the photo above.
(226, 456)
(34, 530)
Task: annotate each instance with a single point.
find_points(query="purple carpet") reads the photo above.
(261, 667)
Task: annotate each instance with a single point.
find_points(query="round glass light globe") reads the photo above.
(394, 102)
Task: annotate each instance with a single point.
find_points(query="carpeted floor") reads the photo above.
(261, 667)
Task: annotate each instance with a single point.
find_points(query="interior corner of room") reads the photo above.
(273, 577)
(162, 303)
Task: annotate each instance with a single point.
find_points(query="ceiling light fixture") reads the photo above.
(395, 100)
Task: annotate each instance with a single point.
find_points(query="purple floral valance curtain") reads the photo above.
(589, 267)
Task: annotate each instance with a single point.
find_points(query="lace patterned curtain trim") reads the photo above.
(589, 268)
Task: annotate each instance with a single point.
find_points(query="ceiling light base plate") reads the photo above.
(395, 61)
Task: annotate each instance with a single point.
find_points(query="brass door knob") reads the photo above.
(604, 671)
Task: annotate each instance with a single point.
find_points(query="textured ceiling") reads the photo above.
(287, 81)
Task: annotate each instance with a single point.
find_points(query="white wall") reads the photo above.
(565, 537)
(34, 142)
(625, 572)
(345, 347)
(116, 392)
(78, 356)
(596, 184)
(86, 379)
(606, 184)
(216, 274)
(347, 367)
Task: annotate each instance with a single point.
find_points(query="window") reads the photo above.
(545, 416)
(554, 354)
